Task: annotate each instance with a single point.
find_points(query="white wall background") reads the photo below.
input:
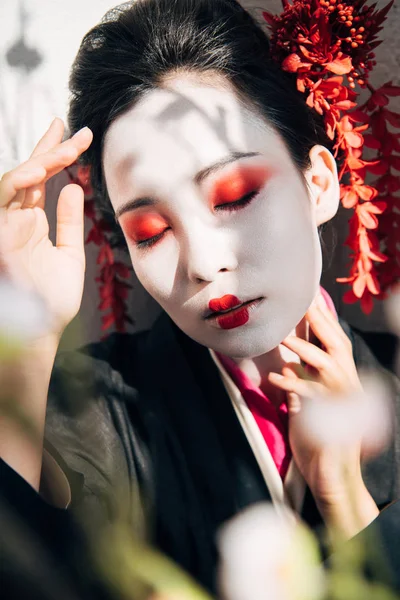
(30, 100)
(49, 32)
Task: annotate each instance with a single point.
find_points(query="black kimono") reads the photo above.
(149, 411)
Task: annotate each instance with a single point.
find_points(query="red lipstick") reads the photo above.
(236, 317)
(225, 303)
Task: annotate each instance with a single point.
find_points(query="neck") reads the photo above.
(258, 368)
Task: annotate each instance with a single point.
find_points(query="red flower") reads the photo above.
(350, 194)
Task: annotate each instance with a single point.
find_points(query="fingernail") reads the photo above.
(80, 131)
(319, 302)
(276, 375)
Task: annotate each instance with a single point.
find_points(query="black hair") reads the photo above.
(138, 44)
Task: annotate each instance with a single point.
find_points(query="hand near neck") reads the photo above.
(331, 469)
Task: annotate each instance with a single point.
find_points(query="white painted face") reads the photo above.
(190, 154)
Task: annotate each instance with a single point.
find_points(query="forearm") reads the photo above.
(24, 384)
(350, 513)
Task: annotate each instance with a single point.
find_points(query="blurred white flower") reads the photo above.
(266, 555)
(367, 414)
(24, 316)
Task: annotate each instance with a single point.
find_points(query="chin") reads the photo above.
(253, 339)
(243, 342)
(251, 344)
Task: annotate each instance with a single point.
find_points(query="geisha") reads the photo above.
(219, 177)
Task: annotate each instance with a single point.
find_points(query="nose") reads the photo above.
(207, 253)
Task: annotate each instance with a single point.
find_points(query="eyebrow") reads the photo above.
(201, 175)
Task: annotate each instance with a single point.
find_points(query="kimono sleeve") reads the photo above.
(92, 448)
(80, 432)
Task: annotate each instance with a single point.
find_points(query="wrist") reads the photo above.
(349, 512)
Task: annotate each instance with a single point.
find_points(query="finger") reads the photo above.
(326, 327)
(18, 180)
(63, 155)
(49, 164)
(56, 159)
(36, 195)
(291, 370)
(70, 221)
(296, 370)
(309, 353)
(306, 389)
(293, 403)
(51, 138)
(329, 371)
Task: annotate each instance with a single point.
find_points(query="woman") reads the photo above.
(219, 176)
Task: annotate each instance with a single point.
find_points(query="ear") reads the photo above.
(323, 183)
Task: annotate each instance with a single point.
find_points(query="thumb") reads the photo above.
(70, 221)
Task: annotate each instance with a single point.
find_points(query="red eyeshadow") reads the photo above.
(143, 227)
(238, 183)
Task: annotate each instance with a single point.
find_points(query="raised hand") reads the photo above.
(27, 256)
(331, 470)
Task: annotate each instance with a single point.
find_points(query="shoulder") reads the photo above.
(118, 352)
(94, 423)
(372, 346)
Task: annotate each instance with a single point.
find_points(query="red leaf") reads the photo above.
(389, 89)
(366, 192)
(359, 116)
(349, 297)
(122, 285)
(293, 63)
(340, 66)
(392, 117)
(356, 163)
(367, 219)
(354, 139)
(367, 303)
(379, 99)
(106, 303)
(101, 256)
(380, 16)
(395, 162)
(269, 18)
(377, 207)
(359, 285)
(107, 321)
(94, 236)
(109, 254)
(371, 142)
(106, 291)
(377, 256)
(373, 284)
(349, 199)
(122, 270)
(379, 169)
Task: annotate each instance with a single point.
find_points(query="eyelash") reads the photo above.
(237, 204)
(228, 207)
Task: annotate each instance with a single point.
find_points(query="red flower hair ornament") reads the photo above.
(329, 45)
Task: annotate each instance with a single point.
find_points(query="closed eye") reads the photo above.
(237, 204)
(151, 241)
(227, 206)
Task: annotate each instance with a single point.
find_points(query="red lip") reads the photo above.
(238, 311)
(225, 303)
